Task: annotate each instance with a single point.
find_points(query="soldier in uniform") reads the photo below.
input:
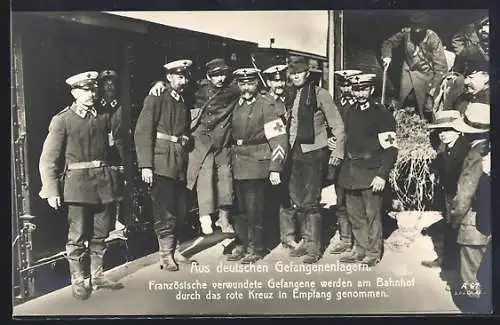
(473, 237)
(74, 155)
(161, 137)
(425, 62)
(209, 168)
(109, 102)
(344, 102)
(371, 151)
(312, 111)
(471, 45)
(260, 144)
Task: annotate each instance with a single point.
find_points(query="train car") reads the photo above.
(46, 49)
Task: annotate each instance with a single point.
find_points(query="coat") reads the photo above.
(260, 125)
(77, 136)
(212, 124)
(367, 133)
(465, 204)
(169, 115)
(423, 67)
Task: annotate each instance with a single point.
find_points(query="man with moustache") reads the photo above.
(476, 90)
(471, 45)
(371, 151)
(260, 144)
(209, 167)
(74, 171)
(425, 61)
(312, 112)
(161, 137)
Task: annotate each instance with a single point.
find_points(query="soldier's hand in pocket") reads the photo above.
(147, 175)
(377, 184)
(157, 89)
(274, 178)
(54, 202)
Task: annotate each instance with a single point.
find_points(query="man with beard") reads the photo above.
(209, 166)
(161, 136)
(371, 151)
(466, 212)
(344, 103)
(471, 45)
(77, 146)
(424, 65)
(312, 111)
(447, 166)
(108, 93)
(260, 144)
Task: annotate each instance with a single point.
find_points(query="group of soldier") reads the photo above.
(238, 149)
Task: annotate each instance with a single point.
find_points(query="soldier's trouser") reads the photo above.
(169, 210)
(306, 179)
(345, 229)
(249, 221)
(214, 185)
(470, 260)
(364, 212)
(88, 222)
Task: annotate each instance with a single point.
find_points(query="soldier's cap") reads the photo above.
(276, 72)
(476, 119)
(107, 74)
(83, 79)
(444, 119)
(216, 66)
(362, 80)
(179, 67)
(297, 64)
(246, 74)
(483, 21)
(344, 75)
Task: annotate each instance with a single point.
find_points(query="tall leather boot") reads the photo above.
(313, 245)
(287, 228)
(98, 279)
(166, 245)
(223, 221)
(80, 291)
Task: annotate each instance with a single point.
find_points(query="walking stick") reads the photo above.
(384, 81)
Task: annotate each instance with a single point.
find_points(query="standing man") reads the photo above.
(74, 170)
(472, 47)
(109, 102)
(473, 237)
(312, 112)
(209, 168)
(424, 65)
(161, 134)
(260, 144)
(345, 101)
(371, 150)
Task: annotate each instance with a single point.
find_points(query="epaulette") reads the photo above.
(64, 110)
(266, 97)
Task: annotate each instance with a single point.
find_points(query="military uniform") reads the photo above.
(209, 168)
(472, 53)
(260, 144)
(161, 127)
(74, 166)
(473, 236)
(311, 112)
(423, 67)
(371, 151)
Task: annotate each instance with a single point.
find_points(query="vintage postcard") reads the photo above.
(240, 163)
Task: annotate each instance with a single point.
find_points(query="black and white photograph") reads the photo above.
(161, 163)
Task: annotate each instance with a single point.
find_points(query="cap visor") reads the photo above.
(461, 126)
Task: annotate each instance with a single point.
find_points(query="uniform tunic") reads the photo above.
(165, 114)
(76, 135)
(365, 156)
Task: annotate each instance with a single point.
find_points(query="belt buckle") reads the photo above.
(239, 142)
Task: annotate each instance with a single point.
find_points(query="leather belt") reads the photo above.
(241, 142)
(87, 164)
(171, 138)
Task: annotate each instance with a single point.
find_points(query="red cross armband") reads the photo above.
(274, 128)
(388, 139)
